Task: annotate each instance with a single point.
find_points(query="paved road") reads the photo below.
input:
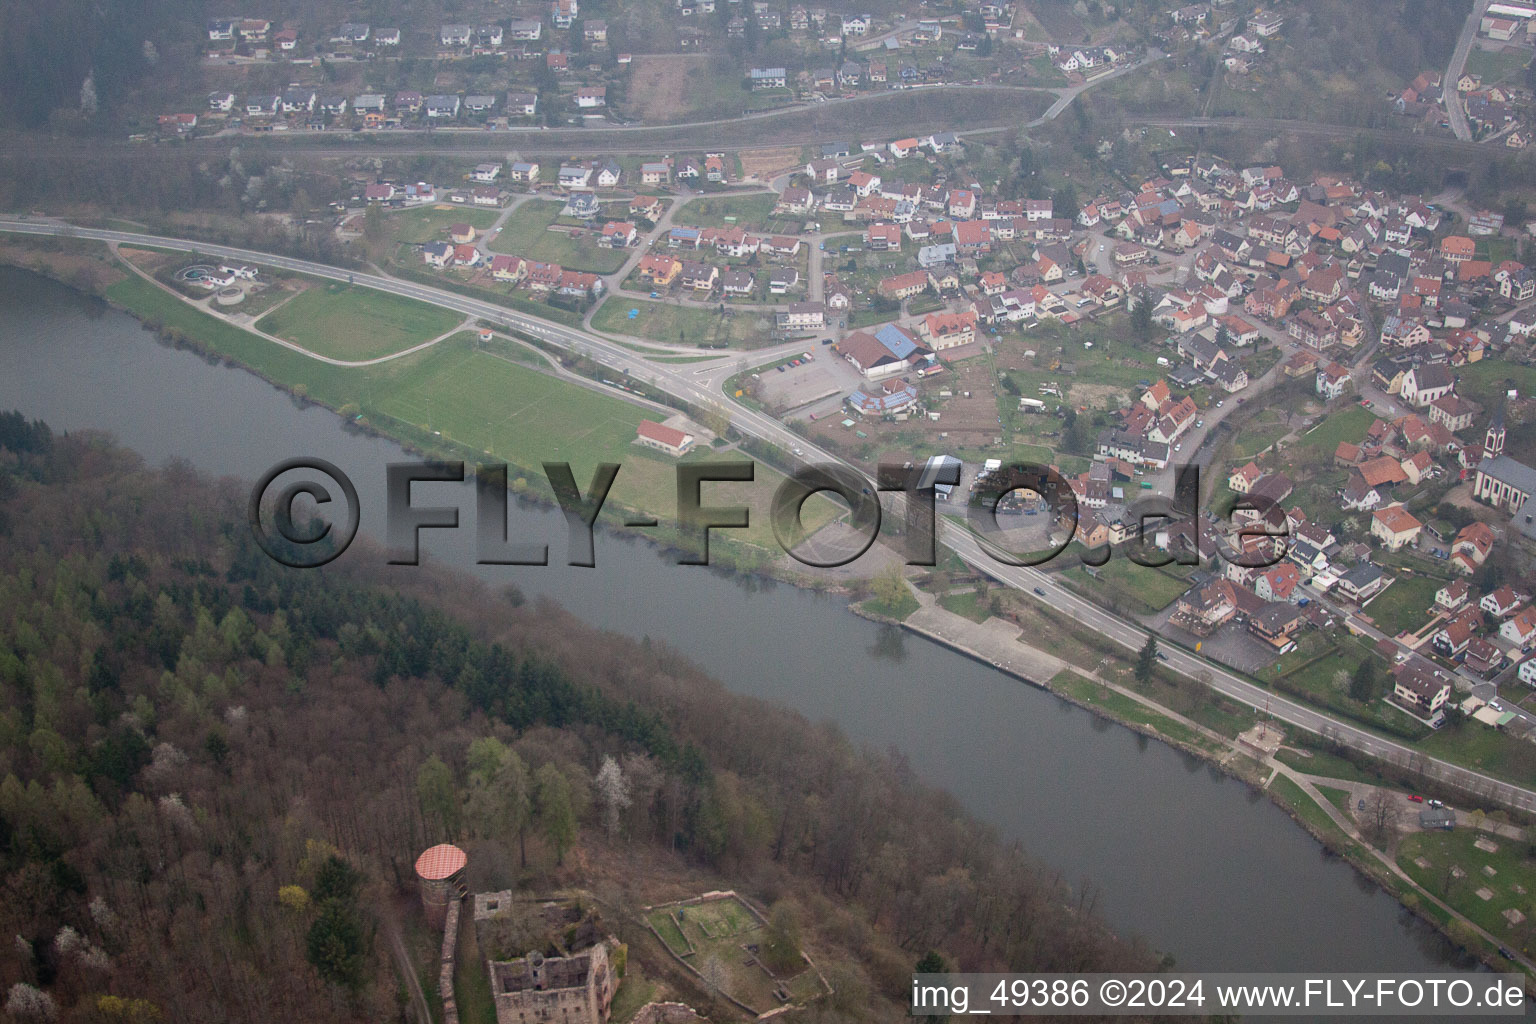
(1455, 109)
(685, 384)
(807, 124)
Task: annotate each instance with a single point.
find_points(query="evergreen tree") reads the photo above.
(1146, 661)
(1362, 684)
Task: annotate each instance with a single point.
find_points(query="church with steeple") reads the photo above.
(1493, 440)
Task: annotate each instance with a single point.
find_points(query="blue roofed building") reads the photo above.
(889, 349)
(882, 402)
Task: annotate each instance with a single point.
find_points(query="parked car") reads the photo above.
(1415, 798)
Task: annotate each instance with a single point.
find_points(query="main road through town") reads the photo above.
(685, 385)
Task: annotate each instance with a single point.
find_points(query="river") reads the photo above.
(1193, 861)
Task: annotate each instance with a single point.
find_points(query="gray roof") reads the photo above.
(1362, 575)
(1506, 470)
(1437, 817)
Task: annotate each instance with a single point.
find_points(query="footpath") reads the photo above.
(1000, 643)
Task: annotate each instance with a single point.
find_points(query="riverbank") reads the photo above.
(1062, 643)
(1249, 757)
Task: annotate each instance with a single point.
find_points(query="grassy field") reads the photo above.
(456, 393)
(685, 325)
(666, 926)
(430, 223)
(1511, 886)
(1405, 604)
(1495, 66)
(1342, 425)
(898, 611)
(1305, 807)
(1259, 433)
(526, 233)
(1320, 762)
(968, 604)
(715, 212)
(347, 322)
(1142, 589)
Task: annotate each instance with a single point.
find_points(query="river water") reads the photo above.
(1195, 862)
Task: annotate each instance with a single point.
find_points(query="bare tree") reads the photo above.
(612, 794)
(1382, 814)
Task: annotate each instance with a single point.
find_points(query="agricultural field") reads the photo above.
(430, 223)
(352, 323)
(527, 233)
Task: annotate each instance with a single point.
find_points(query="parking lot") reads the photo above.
(826, 377)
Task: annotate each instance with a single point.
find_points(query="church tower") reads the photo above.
(1493, 441)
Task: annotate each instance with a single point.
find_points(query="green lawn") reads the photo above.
(967, 604)
(898, 611)
(1305, 807)
(1144, 590)
(1485, 381)
(471, 983)
(684, 325)
(635, 990)
(1484, 749)
(1258, 434)
(348, 322)
(749, 211)
(430, 223)
(1123, 708)
(527, 233)
(1349, 424)
(1324, 764)
(456, 393)
(1338, 797)
(1405, 604)
(1513, 870)
(718, 931)
(1495, 66)
(666, 926)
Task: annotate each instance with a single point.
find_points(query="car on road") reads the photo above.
(1505, 953)
(826, 341)
(1178, 447)
(1161, 656)
(1415, 798)
(1039, 592)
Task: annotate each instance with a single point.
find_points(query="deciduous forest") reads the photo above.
(215, 773)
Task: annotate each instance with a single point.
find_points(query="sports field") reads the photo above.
(511, 411)
(347, 322)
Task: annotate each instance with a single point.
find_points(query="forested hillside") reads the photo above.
(215, 773)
